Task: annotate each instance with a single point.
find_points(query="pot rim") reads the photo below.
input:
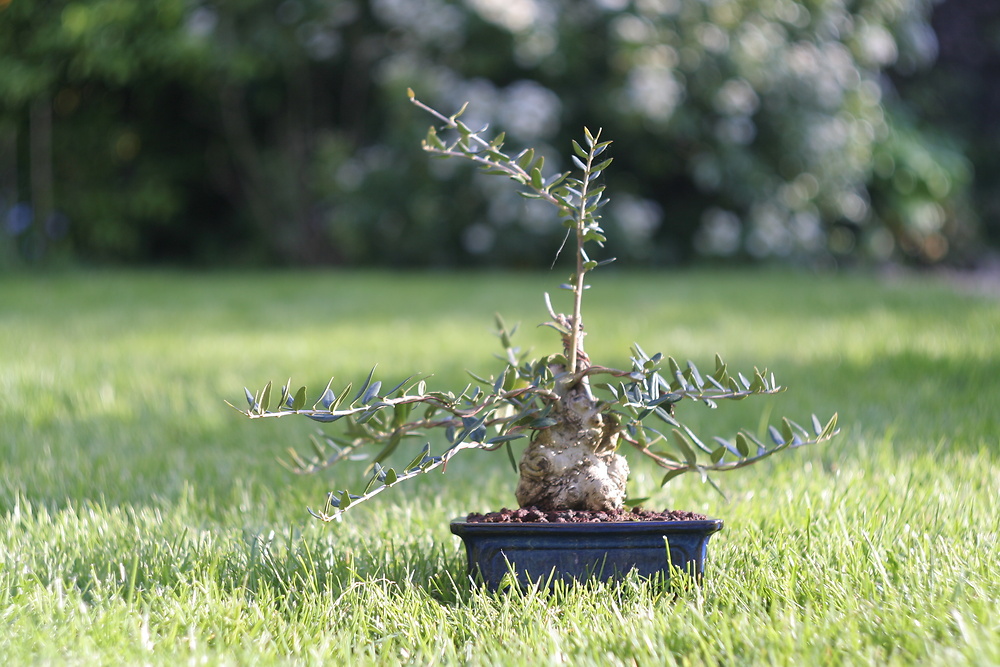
(460, 526)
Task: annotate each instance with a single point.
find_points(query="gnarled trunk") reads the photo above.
(573, 464)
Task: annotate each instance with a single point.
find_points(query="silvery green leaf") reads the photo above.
(328, 398)
(742, 445)
(536, 178)
(817, 426)
(670, 397)
(498, 384)
(265, 398)
(675, 368)
(419, 458)
(601, 166)
(525, 158)
(684, 445)
(345, 500)
(299, 401)
(830, 427)
(364, 387)
(720, 365)
(285, 398)
(725, 443)
(698, 443)
(665, 416)
(324, 417)
(797, 427)
(376, 477)
(372, 392)
(671, 474)
(505, 438)
(716, 383)
(555, 179)
(433, 140)
(253, 403)
(397, 387)
(694, 375)
(343, 395)
(786, 430)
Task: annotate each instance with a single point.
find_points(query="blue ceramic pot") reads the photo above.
(578, 551)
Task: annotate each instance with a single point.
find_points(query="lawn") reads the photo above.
(143, 521)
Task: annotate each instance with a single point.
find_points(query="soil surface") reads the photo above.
(535, 515)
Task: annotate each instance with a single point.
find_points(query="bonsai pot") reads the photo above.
(547, 552)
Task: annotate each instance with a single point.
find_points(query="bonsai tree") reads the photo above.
(577, 414)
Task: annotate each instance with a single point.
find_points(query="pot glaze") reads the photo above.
(547, 552)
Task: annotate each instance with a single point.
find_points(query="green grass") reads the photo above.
(142, 521)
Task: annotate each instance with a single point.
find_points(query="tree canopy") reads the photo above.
(267, 131)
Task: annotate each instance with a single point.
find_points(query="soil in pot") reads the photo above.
(535, 515)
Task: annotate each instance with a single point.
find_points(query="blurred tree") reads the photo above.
(277, 130)
(77, 82)
(960, 95)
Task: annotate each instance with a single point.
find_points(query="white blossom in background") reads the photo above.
(786, 178)
(807, 230)
(320, 42)
(768, 235)
(513, 15)
(736, 97)
(201, 23)
(738, 130)
(632, 28)
(529, 111)
(429, 20)
(653, 91)
(853, 206)
(478, 238)
(720, 233)
(611, 5)
(533, 23)
(637, 218)
(712, 38)
(877, 46)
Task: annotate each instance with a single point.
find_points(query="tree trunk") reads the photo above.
(573, 464)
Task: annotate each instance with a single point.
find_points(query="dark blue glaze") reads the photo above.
(579, 551)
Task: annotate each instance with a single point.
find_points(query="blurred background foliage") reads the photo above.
(819, 132)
